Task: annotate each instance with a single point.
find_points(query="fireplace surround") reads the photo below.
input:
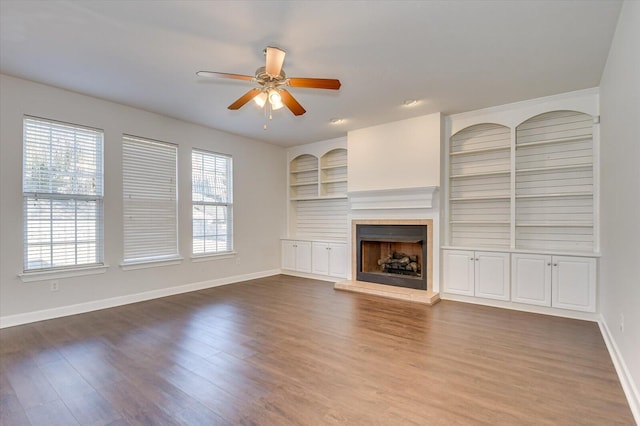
(425, 296)
(392, 254)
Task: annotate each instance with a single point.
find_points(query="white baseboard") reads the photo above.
(311, 276)
(564, 313)
(95, 305)
(628, 385)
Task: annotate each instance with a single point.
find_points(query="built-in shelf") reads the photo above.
(478, 222)
(468, 175)
(556, 225)
(334, 180)
(314, 169)
(560, 195)
(556, 168)
(478, 151)
(323, 197)
(554, 141)
(304, 184)
(336, 166)
(488, 197)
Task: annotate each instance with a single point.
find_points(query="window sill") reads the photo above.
(213, 256)
(29, 277)
(131, 266)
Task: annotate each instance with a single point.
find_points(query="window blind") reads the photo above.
(62, 188)
(212, 198)
(149, 178)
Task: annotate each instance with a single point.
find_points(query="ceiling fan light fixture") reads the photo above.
(410, 102)
(261, 99)
(336, 120)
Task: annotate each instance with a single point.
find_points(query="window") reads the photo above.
(149, 200)
(62, 195)
(212, 197)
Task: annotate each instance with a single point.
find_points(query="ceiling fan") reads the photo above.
(271, 78)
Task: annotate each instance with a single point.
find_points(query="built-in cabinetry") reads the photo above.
(329, 259)
(318, 207)
(522, 180)
(477, 273)
(567, 282)
(296, 255)
(315, 257)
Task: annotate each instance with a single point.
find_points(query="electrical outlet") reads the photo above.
(621, 323)
(54, 285)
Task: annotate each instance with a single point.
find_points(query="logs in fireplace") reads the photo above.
(400, 263)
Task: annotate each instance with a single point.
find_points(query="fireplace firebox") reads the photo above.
(392, 254)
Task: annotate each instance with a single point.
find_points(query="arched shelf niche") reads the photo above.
(480, 186)
(303, 177)
(555, 182)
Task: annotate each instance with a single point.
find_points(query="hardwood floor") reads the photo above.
(285, 350)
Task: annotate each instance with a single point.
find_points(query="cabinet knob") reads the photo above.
(471, 258)
(555, 264)
(548, 263)
(477, 258)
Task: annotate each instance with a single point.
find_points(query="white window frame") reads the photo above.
(217, 239)
(44, 138)
(150, 203)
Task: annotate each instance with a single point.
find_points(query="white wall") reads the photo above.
(259, 199)
(620, 192)
(402, 154)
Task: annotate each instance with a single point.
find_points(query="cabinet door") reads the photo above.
(338, 260)
(289, 255)
(458, 272)
(320, 258)
(531, 279)
(574, 283)
(303, 256)
(492, 275)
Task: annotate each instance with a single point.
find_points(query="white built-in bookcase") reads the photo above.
(317, 183)
(521, 203)
(521, 182)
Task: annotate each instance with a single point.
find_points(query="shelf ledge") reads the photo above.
(333, 167)
(554, 168)
(488, 197)
(304, 170)
(478, 151)
(553, 141)
(560, 195)
(500, 173)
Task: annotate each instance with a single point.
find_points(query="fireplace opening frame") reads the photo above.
(400, 236)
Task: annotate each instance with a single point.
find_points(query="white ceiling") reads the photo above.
(452, 56)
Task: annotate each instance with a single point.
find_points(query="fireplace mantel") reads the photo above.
(393, 199)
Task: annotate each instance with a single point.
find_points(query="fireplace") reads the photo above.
(392, 254)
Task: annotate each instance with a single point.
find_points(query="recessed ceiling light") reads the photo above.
(410, 102)
(336, 120)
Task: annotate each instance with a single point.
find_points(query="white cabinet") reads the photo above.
(573, 283)
(296, 255)
(531, 279)
(477, 273)
(329, 259)
(565, 282)
(459, 272)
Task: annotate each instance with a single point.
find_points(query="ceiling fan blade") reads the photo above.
(224, 75)
(291, 103)
(275, 58)
(245, 98)
(314, 83)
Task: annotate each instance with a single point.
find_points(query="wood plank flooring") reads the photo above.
(291, 351)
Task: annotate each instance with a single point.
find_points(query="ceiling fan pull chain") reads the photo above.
(266, 107)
